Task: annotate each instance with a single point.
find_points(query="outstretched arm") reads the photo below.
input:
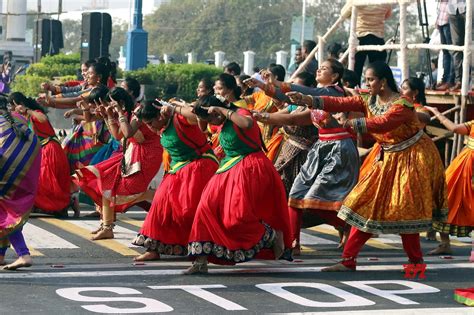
(462, 129)
(283, 117)
(329, 103)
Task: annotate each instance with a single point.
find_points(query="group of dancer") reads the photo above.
(243, 173)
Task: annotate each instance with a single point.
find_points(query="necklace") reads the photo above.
(378, 108)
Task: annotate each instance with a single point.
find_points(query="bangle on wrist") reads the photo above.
(122, 118)
(229, 114)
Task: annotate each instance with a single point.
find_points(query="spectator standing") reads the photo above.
(297, 61)
(369, 30)
(457, 25)
(233, 68)
(442, 23)
(6, 72)
(312, 66)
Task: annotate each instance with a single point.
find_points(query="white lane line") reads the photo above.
(462, 239)
(389, 238)
(236, 270)
(121, 235)
(308, 239)
(409, 311)
(39, 238)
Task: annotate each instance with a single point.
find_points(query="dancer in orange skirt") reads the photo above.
(168, 223)
(54, 196)
(260, 102)
(122, 180)
(242, 212)
(406, 190)
(460, 179)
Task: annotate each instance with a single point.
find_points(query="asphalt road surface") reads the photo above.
(73, 275)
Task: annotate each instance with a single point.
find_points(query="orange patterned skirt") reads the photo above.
(402, 193)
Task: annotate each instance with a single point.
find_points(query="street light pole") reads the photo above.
(303, 20)
(137, 41)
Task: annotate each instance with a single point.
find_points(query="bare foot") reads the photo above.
(147, 256)
(23, 261)
(104, 234)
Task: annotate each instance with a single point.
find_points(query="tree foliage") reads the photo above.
(232, 26)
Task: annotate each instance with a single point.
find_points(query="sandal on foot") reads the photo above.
(105, 233)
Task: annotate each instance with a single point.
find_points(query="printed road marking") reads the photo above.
(38, 238)
(236, 270)
(75, 227)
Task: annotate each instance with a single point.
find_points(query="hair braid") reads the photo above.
(20, 132)
(124, 145)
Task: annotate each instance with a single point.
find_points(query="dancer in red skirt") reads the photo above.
(243, 209)
(54, 196)
(168, 223)
(122, 180)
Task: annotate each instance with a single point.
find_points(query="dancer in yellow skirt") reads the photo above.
(405, 190)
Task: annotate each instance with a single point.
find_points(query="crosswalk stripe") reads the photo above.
(34, 252)
(38, 238)
(125, 219)
(122, 235)
(307, 250)
(373, 242)
(455, 241)
(308, 239)
(76, 229)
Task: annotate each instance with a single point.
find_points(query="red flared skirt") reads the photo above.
(105, 180)
(168, 223)
(239, 211)
(55, 180)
